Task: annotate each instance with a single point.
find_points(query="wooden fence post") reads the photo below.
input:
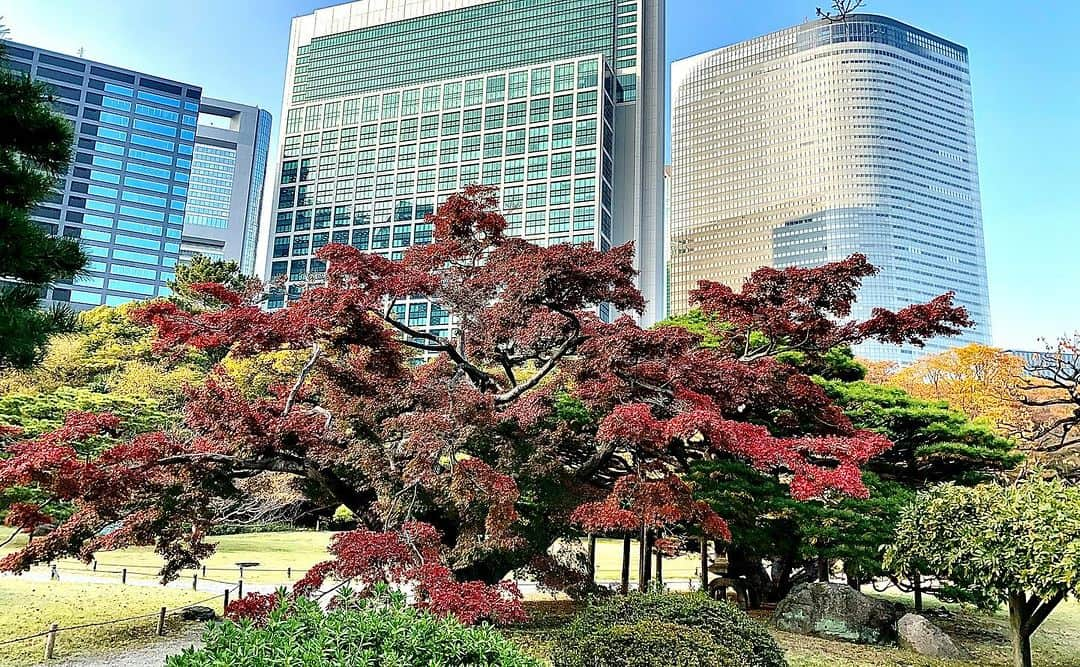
(204, 570)
(625, 574)
(195, 581)
(704, 564)
(240, 591)
(161, 623)
(50, 641)
(123, 576)
(225, 606)
(288, 573)
(592, 559)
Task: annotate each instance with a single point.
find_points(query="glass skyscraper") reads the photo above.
(808, 144)
(227, 174)
(390, 106)
(124, 196)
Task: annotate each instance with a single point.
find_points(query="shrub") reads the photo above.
(728, 627)
(647, 644)
(365, 632)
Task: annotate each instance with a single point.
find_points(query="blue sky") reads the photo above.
(1025, 71)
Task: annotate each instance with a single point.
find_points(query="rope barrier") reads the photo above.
(82, 626)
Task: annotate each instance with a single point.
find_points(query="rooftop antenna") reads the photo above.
(81, 51)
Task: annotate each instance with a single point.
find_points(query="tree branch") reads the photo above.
(316, 352)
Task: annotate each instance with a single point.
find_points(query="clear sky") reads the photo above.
(1025, 70)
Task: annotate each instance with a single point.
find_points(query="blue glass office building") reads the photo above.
(126, 190)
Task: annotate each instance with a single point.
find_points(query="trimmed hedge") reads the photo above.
(299, 632)
(648, 644)
(736, 634)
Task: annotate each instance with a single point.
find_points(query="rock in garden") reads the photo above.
(198, 613)
(836, 611)
(920, 635)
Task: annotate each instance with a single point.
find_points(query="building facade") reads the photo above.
(125, 195)
(391, 106)
(227, 175)
(812, 143)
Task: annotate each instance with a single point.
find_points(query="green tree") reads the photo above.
(1017, 544)
(932, 443)
(202, 269)
(35, 148)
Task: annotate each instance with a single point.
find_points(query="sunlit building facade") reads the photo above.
(812, 143)
(391, 106)
(125, 193)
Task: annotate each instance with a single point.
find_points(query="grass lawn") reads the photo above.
(273, 551)
(30, 606)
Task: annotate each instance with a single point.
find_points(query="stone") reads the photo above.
(837, 611)
(198, 613)
(918, 634)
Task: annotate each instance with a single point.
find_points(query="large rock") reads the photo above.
(836, 611)
(198, 613)
(920, 635)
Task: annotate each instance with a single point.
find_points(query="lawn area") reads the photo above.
(30, 606)
(273, 551)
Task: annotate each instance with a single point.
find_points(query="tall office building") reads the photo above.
(812, 143)
(392, 105)
(227, 174)
(124, 195)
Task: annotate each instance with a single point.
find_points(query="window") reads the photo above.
(563, 107)
(492, 145)
(407, 130)
(496, 88)
(447, 178)
(515, 171)
(584, 189)
(515, 114)
(288, 172)
(564, 77)
(493, 118)
(586, 103)
(286, 197)
(519, 85)
(560, 192)
(541, 81)
(540, 110)
(448, 151)
(515, 142)
(585, 161)
(474, 92)
(470, 148)
(538, 139)
(470, 121)
(560, 165)
(536, 195)
(586, 132)
(561, 135)
(537, 167)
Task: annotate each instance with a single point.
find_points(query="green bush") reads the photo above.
(646, 644)
(375, 633)
(729, 628)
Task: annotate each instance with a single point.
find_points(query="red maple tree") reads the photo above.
(531, 419)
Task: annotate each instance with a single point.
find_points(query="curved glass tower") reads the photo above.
(809, 144)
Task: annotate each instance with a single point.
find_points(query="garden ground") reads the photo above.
(30, 605)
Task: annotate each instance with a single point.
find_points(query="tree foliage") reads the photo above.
(1017, 544)
(35, 148)
(471, 442)
(978, 380)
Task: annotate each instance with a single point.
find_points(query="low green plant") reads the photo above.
(735, 634)
(379, 632)
(648, 644)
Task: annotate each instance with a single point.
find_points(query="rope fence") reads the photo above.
(161, 614)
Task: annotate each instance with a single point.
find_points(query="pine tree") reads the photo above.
(35, 148)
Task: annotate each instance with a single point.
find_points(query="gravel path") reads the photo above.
(147, 656)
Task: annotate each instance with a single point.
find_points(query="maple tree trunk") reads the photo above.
(625, 574)
(916, 586)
